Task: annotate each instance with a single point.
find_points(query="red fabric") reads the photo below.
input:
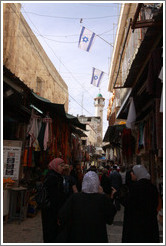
(126, 143)
(30, 157)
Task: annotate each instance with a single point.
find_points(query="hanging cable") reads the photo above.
(62, 62)
(46, 65)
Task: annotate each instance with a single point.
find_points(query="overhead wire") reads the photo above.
(80, 84)
(71, 18)
(57, 41)
(69, 94)
(101, 5)
(64, 64)
(46, 65)
(71, 74)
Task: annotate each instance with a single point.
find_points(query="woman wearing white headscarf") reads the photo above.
(87, 213)
(140, 219)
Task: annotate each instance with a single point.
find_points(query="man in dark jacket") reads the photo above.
(115, 178)
(116, 183)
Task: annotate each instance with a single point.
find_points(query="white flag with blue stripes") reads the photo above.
(96, 77)
(86, 39)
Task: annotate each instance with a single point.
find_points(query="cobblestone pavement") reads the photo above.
(30, 230)
(114, 231)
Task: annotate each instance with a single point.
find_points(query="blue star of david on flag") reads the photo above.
(96, 77)
(86, 39)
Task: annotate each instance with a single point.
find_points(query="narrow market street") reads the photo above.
(30, 230)
(83, 119)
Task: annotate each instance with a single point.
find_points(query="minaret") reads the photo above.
(99, 103)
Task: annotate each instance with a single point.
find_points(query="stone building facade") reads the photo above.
(26, 59)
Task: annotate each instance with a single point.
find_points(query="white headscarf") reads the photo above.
(141, 172)
(90, 183)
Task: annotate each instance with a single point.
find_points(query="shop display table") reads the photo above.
(6, 199)
(18, 203)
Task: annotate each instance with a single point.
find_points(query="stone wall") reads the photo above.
(24, 56)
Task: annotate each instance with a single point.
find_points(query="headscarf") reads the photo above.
(141, 172)
(53, 165)
(90, 183)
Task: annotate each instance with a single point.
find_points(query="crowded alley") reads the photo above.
(83, 122)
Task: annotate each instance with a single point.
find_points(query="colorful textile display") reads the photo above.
(49, 138)
(127, 144)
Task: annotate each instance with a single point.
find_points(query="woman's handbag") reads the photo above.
(42, 197)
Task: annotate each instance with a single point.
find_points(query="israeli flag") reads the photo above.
(86, 39)
(96, 77)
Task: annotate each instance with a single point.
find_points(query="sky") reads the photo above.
(57, 25)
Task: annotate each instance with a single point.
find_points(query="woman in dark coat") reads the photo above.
(106, 182)
(87, 213)
(140, 221)
(56, 196)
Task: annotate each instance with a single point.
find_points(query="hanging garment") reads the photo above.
(46, 140)
(155, 65)
(25, 157)
(29, 157)
(127, 143)
(141, 136)
(33, 129)
(46, 135)
(147, 136)
(131, 114)
(159, 125)
(41, 135)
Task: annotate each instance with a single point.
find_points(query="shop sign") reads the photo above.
(11, 160)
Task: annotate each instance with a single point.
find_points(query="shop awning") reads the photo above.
(113, 133)
(123, 111)
(78, 131)
(54, 109)
(25, 99)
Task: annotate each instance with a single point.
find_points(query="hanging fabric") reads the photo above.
(131, 114)
(41, 135)
(46, 133)
(33, 129)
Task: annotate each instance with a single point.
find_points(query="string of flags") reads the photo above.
(86, 39)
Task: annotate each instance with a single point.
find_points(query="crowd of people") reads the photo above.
(83, 202)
